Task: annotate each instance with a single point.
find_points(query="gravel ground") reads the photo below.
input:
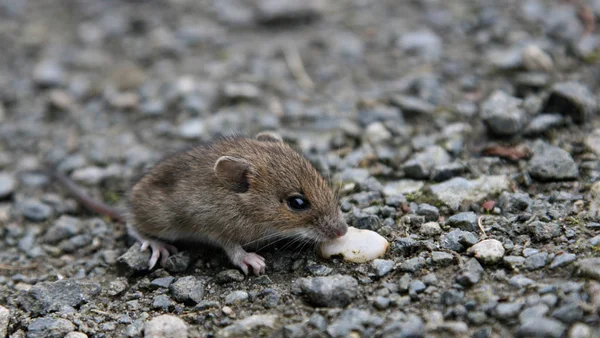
(465, 132)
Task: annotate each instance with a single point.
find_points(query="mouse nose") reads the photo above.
(341, 230)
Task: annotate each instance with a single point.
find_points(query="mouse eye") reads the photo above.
(298, 203)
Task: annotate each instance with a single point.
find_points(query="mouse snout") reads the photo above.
(341, 229)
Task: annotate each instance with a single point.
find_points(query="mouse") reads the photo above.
(231, 192)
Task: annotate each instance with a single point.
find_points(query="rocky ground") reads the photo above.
(465, 132)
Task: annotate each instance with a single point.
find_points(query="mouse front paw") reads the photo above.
(250, 260)
(159, 250)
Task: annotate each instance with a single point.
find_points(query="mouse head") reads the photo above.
(279, 189)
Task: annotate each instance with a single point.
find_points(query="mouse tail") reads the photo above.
(85, 200)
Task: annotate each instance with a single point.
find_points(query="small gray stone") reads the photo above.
(242, 327)
(551, 163)
(536, 261)
(430, 229)
(573, 99)
(514, 203)
(416, 286)
(352, 320)
(165, 326)
(489, 251)
(562, 260)
(288, 11)
(134, 260)
(421, 164)
(4, 320)
(192, 129)
(507, 310)
(520, 281)
(568, 313)
(465, 221)
(47, 297)
(428, 211)
(442, 258)
(236, 297)
(75, 334)
(330, 291)
(458, 240)
(471, 273)
(513, 262)
(7, 185)
(580, 330)
(162, 282)
(541, 327)
(422, 42)
(35, 210)
(369, 222)
(503, 114)
(536, 59)
(589, 268)
(536, 311)
(544, 231)
(454, 192)
(382, 266)
(188, 290)
(412, 265)
(64, 227)
(178, 262)
(543, 123)
(229, 276)
(48, 73)
(162, 302)
(47, 327)
(116, 286)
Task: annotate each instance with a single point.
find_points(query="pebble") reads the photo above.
(236, 297)
(330, 291)
(74, 334)
(52, 296)
(471, 273)
(49, 74)
(541, 327)
(445, 172)
(7, 185)
(188, 290)
(543, 123)
(289, 11)
(229, 276)
(489, 251)
(551, 163)
(542, 231)
(507, 310)
(503, 114)
(458, 240)
(64, 227)
(416, 286)
(455, 191)
(442, 258)
(568, 313)
(536, 311)
(537, 261)
(430, 229)
(513, 262)
(358, 246)
(572, 99)
(428, 211)
(165, 326)
(382, 266)
(178, 262)
(562, 260)
(47, 327)
(134, 260)
(242, 327)
(162, 302)
(535, 59)
(589, 268)
(465, 221)
(580, 330)
(4, 320)
(421, 164)
(377, 133)
(514, 203)
(162, 282)
(520, 281)
(352, 320)
(424, 43)
(35, 210)
(192, 129)
(412, 265)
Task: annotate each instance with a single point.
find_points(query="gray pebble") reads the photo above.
(382, 266)
(572, 99)
(412, 265)
(178, 262)
(330, 291)
(465, 221)
(568, 313)
(442, 258)
(288, 12)
(536, 261)
(46, 297)
(551, 163)
(7, 185)
(48, 73)
(430, 229)
(458, 240)
(162, 302)
(236, 297)
(47, 327)
(542, 231)
(489, 251)
(513, 262)
(536, 311)
(541, 327)
(428, 211)
(471, 273)
(165, 326)
(543, 123)
(188, 290)
(35, 210)
(420, 165)
(352, 320)
(589, 268)
(229, 276)
(562, 260)
(520, 281)
(134, 260)
(514, 203)
(416, 286)
(423, 42)
(4, 320)
(64, 227)
(162, 282)
(503, 114)
(507, 310)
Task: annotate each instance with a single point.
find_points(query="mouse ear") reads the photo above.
(269, 136)
(233, 172)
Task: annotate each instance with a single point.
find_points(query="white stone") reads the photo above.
(4, 319)
(489, 251)
(165, 326)
(358, 246)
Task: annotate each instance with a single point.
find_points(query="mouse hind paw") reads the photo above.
(159, 250)
(247, 261)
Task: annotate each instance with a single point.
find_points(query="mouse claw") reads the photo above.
(159, 250)
(256, 262)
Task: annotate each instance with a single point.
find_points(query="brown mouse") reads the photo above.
(231, 192)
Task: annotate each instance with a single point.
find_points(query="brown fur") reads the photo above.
(182, 198)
